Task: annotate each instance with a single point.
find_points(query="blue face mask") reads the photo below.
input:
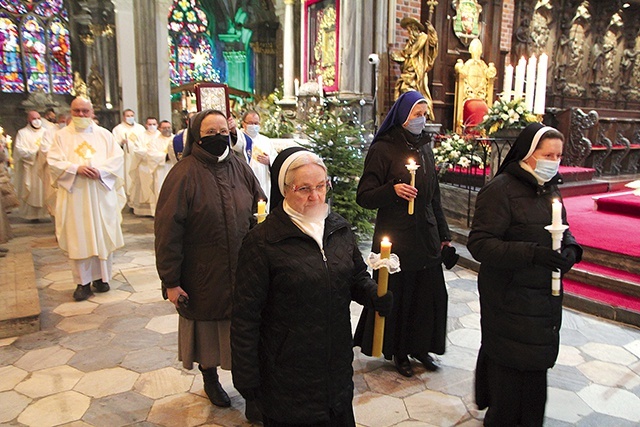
(416, 125)
(546, 169)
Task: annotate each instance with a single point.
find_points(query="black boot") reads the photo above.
(212, 387)
(252, 411)
(82, 292)
(100, 286)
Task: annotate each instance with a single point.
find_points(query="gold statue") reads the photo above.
(416, 59)
(96, 86)
(474, 80)
(79, 86)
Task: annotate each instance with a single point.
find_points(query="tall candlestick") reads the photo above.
(508, 81)
(531, 83)
(541, 85)
(383, 283)
(556, 229)
(556, 213)
(296, 87)
(320, 87)
(519, 85)
(412, 167)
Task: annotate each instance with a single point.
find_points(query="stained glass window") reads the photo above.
(35, 50)
(191, 54)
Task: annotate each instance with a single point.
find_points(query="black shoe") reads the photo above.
(213, 388)
(427, 361)
(3, 250)
(101, 286)
(252, 411)
(403, 366)
(82, 292)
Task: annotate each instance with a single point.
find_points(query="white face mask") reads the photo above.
(36, 123)
(546, 169)
(82, 122)
(130, 120)
(252, 130)
(152, 128)
(166, 132)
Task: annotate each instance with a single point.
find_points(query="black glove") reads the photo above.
(249, 394)
(548, 258)
(383, 304)
(571, 256)
(449, 256)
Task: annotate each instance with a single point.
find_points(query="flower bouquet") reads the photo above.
(457, 151)
(502, 115)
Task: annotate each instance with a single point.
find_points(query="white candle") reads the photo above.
(320, 91)
(531, 83)
(296, 87)
(519, 85)
(541, 85)
(508, 81)
(556, 213)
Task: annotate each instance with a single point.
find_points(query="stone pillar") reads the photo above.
(354, 78)
(125, 34)
(304, 73)
(164, 83)
(146, 57)
(289, 52)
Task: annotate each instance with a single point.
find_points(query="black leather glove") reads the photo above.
(249, 394)
(548, 258)
(383, 304)
(571, 255)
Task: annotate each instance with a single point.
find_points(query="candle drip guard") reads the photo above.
(392, 263)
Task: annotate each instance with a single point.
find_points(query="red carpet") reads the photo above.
(624, 203)
(602, 230)
(615, 299)
(609, 272)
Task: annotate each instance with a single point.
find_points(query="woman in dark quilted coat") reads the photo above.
(520, 319)
(298, 272)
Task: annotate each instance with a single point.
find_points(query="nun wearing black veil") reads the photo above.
(520, 318)
(205, 208)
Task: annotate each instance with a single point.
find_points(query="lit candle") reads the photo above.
(320, 91)
(508, 81)
(262, 210)
(412, 167)
(531, 83)
(556, 213)
(519, 85)
(541, 85)
(296, 87)
(383, 284)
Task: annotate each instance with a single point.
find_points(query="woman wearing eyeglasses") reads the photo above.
(298, 272)
(205, 208)
(418, 322)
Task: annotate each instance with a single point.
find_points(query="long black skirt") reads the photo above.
(418, 322)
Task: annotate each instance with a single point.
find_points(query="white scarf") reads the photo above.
(311, 226)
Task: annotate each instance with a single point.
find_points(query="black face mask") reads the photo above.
(215, 144)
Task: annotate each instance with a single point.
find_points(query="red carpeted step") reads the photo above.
(602, 296)
(575, 173)
(608, 271)
(625, 203)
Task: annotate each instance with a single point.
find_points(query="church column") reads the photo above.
(146, 57)
(126, 56)
(288, 52)
(353, 48)
(164, 83)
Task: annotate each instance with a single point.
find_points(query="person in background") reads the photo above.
(180, 139)
(159, 160)
(418, 323)
(297, 274)
(41, 162)
(262, 151)
(28, 177)
(205, 208)
(142, 170)
(49, 118)
(87, 167)
(520, 318)
(126, 134)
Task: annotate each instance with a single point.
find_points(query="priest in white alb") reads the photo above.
(87, 166)
(127, 133)
(262, 152)
(141, 170)
(28, 177)
(159, 160)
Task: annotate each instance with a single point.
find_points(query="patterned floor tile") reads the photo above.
(50, 381)
(55, 410)
(106, 382)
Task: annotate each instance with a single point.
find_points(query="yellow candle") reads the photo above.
(262, 210)
(383, 283)
(412, 170)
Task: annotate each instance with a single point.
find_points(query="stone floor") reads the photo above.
(111, 361)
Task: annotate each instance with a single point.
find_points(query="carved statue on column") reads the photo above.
(96, 87)
(79, 86)
(416, 59)
(540, 31)
(603, 58)
(571, 52)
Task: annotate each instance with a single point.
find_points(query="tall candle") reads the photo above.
(296, 87)
(531, 83)
(519, 84)
(262, 210)
(541, 85)
(556, 213)
(412, 167)
(508, 81)
(383, 284)
(320, 88)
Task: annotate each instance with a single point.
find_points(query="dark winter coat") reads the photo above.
(416, 238)
(204, 210)
(520, 318)
(291, 331)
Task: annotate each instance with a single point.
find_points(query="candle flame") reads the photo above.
(385, 240)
